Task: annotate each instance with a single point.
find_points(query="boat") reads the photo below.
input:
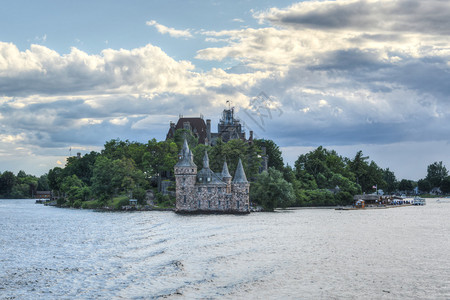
(419, 201)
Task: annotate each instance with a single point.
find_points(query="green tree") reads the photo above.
(7, 182)
(55, 177)
(181, 134)
(20, 191)
(102, 185)
(359, 167)
(436, 172)
(43, 184)
(81, 166)
(391, 181)
(424, 185)
(73, 189)
(271, 190)
(231, 152)
(273, 153)
(126, 176)
(406, 185)
(445, 185)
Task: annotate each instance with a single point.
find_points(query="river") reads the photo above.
(53, 253)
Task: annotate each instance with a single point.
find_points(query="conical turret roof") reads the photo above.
(239, 176)
(225, 172)
(186, 156)
(206, 160)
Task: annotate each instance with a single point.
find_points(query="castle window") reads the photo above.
(199, 189)
(192, 170)
(200, 179)
(237, 205)
(184, 199)
(219, 189)
(209, 179)
(199, 203)
(219, 203)
(209, 203)
(209, 190)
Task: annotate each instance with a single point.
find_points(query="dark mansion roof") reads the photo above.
(196, 125)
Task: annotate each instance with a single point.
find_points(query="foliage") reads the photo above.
(391, 181)
(118, 202)
(164, 201)
(271, 190)
(231, 152)
(273, 153)
(445, 185)
(16, 187)
(424, 185)
(436, 172)
(406, 185)
(7, 182)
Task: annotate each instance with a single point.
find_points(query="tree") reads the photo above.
(391, 181)
(43, 184)
(271, 190)
(55, 177)
(436, 172)
(102, 185)
(7, 182)
(406, 185)
(231, 152)
(359, 167)
(445, 185)
(81, 166)
(424, 185)
(73, 188)
(126, 176)
(273, 153)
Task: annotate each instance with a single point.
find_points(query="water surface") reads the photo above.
(52, 253)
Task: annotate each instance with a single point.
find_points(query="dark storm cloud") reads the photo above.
(350, 60)
(395, 16)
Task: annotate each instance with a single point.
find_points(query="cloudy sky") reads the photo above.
(348, 75)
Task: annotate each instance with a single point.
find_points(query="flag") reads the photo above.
(374, 187)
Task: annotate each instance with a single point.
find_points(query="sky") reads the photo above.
(346, 75)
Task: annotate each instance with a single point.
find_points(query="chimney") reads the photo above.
(208, 130)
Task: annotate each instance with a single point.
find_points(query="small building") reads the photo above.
(208, 192)
(43, 195)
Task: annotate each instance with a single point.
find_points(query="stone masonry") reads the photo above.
(208, 192)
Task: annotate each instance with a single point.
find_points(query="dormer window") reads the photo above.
(209, 179)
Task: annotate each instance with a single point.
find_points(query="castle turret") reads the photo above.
(185, 178)
(226, 177)
(206, 160)
(239, 176)
(240, 190)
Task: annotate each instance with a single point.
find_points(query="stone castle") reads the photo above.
(206, 191)
(228, 128)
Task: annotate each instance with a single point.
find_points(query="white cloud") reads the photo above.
(119, 121)
(170, 31)
(342, 72)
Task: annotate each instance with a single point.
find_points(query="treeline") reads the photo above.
(21, 185)
(125, 169)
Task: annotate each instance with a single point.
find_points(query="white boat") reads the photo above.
(419, 201)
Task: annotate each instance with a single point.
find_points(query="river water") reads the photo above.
(52, 253)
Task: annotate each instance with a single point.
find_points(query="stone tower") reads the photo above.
(208, 192)
(226, 177)
(185, 178)
(240, 189)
